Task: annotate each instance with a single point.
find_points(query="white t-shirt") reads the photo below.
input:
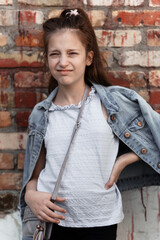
(91, 159)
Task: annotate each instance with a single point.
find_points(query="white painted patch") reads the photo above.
(10, 227)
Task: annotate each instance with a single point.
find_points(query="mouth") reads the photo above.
(62, 71)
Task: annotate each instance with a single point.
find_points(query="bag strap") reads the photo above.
(77, 125)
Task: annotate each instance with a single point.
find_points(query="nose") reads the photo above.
(63, 60)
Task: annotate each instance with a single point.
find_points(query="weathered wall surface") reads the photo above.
(129, 38)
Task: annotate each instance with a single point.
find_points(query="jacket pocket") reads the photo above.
(136, 124)
(139, 126)
(30, 221)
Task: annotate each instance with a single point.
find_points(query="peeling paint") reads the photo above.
(128, 235)
(10, 226)
(17, 225)
(132, 232)
(124, 37)
(144, 206)
(135, 39)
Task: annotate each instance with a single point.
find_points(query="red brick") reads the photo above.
(29, 39)
(28, 99)
(13, 141)
(29, 79)
(20, 59)
(48, 2)
(10, 181)
(6, 99)
(137, 18)
(127, 79)
(154, 78)
(5, 79)
(154, 3)
(6, 161)
(20, 164)
(25, 99)
(30, 17)
(5, 119)
(3, 40)
(21, 119)
(153, 37)
(155, 97)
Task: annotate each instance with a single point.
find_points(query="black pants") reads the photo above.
(94, 233)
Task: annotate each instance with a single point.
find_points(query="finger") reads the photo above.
(110, 183)
(54, 207)
(44, 217)
(59, 199)
(52, 214)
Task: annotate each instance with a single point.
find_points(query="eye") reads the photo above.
(73, 53)
(54, 54)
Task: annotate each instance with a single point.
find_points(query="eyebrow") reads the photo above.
(56, 50)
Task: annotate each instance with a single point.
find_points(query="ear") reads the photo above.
(90, 56)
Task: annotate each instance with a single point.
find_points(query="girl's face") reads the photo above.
(67, 57)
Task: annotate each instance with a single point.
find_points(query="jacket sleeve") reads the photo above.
(151, 117)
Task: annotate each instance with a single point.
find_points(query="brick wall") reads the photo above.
(129, 38)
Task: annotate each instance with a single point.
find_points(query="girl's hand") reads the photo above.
(43, 208)
(120, 163)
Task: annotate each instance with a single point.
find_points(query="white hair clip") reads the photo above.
(73, 12)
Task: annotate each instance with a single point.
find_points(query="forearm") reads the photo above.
(127, 159)
(31, 186)
(120, 163)
(30, 189)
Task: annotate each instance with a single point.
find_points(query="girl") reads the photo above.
(117, 128)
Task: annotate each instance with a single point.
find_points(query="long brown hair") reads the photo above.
(77, 19)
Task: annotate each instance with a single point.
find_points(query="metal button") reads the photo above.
(140, 124)
(38, 226)
(112, 117)
(41, 229)
(158, 165)
(127, 135)
(143, 151)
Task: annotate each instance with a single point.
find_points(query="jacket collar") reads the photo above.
(106, 98)
(47, 102)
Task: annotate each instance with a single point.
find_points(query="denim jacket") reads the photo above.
(132, 120)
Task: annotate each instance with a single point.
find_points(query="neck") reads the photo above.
(68, 95)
